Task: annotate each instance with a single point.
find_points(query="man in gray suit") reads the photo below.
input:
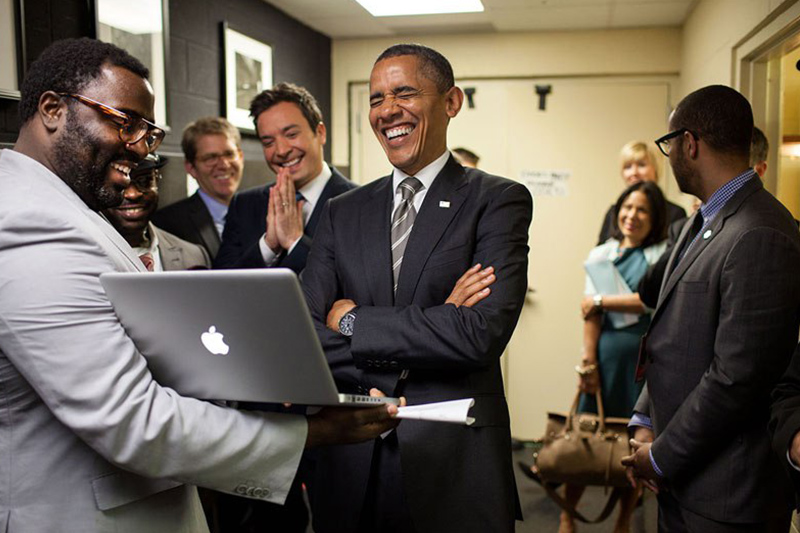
(722, 333)
(89, 441)
(159, 250)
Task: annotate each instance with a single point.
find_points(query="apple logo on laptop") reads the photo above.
(212, 340)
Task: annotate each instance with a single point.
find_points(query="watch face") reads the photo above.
(346, 324)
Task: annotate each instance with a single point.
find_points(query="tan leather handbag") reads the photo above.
(584, 449)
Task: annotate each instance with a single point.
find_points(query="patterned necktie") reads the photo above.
(147, 259)
(402, 221)
(306, 207)
(694, 231)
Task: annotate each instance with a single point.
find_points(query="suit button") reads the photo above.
(241, 489)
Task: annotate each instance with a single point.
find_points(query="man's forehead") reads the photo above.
(402, 70)
(211, 141)
(121, 89)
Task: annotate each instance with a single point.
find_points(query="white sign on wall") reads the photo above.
(546, 182)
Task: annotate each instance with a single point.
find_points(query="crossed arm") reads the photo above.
(436, 337)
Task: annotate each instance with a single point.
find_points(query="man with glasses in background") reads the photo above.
(213, 156)
(89, 441)
(721, 335)
(159, 250)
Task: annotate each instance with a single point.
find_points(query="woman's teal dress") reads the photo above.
(618, 349)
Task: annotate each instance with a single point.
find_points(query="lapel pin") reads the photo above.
(444, 203)
(707, 234)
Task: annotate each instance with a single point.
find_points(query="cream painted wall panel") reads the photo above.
(578, 53)
(709, 35)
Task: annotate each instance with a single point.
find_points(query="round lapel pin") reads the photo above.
(707, 234)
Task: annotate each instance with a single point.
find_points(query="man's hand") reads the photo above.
(288, 221)
(338, 310)
(639, 468)
(588, 308)
(347, 425)
(472, 287)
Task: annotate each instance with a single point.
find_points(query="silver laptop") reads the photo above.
(242, 335)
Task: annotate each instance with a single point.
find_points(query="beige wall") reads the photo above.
(709, 35)
(545, 54)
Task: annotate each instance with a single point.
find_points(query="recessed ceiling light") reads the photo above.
(382, 8)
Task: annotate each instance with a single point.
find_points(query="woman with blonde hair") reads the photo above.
(638, 162)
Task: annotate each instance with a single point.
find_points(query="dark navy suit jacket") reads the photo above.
(246, 223)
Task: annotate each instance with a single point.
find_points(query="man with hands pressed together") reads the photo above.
(721, 335)
(397, 286)
(273, 225)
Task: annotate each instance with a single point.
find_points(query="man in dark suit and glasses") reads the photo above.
(273, 225)
(380, 285)
(213, 157)
(722, 333)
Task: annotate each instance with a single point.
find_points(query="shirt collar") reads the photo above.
(426, 175)
(217, 209)
(149, 242)
(312, 190)
(717, 201)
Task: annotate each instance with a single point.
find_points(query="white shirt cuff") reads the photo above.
(789, 458)
(291, 248)
(267, 254)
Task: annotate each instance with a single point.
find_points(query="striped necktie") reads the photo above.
(402, 221)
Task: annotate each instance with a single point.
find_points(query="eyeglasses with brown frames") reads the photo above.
(132, 129)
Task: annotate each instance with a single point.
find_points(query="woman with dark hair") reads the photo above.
(614, 323)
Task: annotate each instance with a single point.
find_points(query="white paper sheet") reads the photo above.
(454, 411)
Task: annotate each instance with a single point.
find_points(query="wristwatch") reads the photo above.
(598, 301)
(347, 322)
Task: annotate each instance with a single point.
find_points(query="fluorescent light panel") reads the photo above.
(384, 8)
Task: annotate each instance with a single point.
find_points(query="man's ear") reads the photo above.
(691, 144)
(454, 99)
(190, 169)
(760, 168)
(322, 133)
(52, 110)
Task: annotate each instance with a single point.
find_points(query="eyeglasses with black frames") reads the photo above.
(132, 129)
(146, 181)
(664, 144)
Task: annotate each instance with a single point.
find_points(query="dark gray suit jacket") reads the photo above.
(246, 222)
(720, 338)
(190, 220)
(455, 478)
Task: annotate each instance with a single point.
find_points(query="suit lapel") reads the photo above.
(202, 220)
(375, 242)
(336, 185)
(674, 272)
(171, 255)
(432, 221)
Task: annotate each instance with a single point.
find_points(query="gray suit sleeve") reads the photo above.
(59, 330)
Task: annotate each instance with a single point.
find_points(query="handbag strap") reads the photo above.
(601, 414)
(613, 498)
